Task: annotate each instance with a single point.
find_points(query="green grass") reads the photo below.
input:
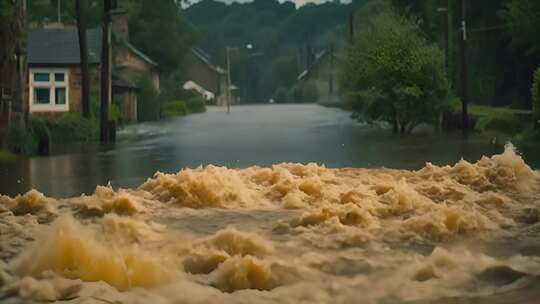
(482, 110)
(6, 156)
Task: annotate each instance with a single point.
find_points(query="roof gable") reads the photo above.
(205, 58)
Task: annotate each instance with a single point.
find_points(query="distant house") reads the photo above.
(54, 73)
(206, 76)
(321, 71)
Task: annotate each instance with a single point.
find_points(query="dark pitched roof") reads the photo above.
(140, 54)
(204, 57)
(61, 46)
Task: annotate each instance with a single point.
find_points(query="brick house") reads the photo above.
(54, 74)
(207, 75)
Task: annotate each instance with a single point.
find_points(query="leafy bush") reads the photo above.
(73, 128)
(175, 108)
(6, 156)
(114, 112)
(196, 104)
(535, 93)
(502, 122)
(149, 103)
(21, 138)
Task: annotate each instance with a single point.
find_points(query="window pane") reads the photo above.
(42, 95)
(60, 94)
(41, 76)
(59, 77)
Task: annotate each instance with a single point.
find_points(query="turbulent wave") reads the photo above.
(289, 233)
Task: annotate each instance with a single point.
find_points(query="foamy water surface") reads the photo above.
(288, 233)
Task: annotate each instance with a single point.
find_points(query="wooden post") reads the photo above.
(83, 51)
(351, 28)
(105, 73)
(228, 80)
(463, 62)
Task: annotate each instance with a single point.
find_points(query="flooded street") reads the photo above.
(292, 204)
(251, 135)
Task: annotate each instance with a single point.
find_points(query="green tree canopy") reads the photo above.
(523, 20)
(392, 73)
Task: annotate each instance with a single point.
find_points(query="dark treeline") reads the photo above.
(396, 68)
(282, 36)
(502, 45)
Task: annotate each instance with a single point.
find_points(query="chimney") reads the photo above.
(120, 25)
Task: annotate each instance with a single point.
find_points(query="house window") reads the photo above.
(6, 93)
(49, 90)
(41, 77)
(60, 96)
(42, 96)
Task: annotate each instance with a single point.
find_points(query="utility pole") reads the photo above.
(447, 29)
(83, 51)
(59, 10)
(105, 73)
(463, 61)
(228, 80)
(351, 28)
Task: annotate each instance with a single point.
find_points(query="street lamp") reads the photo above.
(248, 46)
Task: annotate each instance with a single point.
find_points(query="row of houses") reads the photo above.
(53, 84)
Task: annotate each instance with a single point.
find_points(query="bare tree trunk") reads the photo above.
(83, 50)
(395, 122)
(13, 57)
(105, 73)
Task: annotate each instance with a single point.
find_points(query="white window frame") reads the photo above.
(6, 93)
(52, 85)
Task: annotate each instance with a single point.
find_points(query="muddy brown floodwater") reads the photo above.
(286, 233)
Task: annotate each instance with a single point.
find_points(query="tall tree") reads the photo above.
(105, 73)
(83, 50)
(393, 73)
(12, 45)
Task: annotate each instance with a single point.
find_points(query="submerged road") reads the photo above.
(251, 135)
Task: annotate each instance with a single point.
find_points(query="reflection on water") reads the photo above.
(251, 135)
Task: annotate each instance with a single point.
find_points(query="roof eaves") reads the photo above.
(140, 54)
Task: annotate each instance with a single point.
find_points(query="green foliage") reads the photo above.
(6, 156)
(523, 20)
(175, 108)
(502, 122)
(114, 112)
(21, 138)
(6, 12)
(71, 127)
(149, 18)
(392, 73)
(149, 103)
(196, 104)
(30, 136)
(535, 93)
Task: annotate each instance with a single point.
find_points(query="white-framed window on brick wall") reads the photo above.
(49, 90)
